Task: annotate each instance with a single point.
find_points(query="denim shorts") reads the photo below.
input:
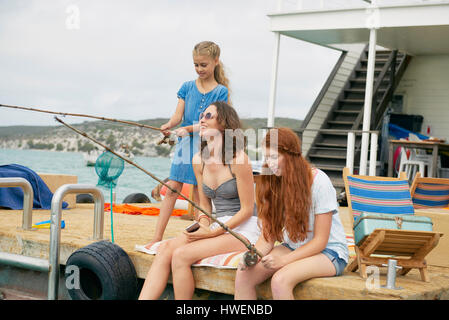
(338, 262)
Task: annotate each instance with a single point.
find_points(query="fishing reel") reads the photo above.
(250, 257)
(167, 139)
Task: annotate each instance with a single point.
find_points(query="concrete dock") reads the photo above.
(130, 230)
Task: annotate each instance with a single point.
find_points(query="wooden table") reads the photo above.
(435, 146)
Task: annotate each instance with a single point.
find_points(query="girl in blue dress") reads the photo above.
(193, 98)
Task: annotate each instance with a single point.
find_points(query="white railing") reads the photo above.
(298, 5)
(373, 135)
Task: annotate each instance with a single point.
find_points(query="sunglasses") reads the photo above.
(206, 115)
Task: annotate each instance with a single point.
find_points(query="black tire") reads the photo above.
(84, 198)
(136, 198)
(105, 273)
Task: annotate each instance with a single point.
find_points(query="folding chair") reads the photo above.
(385, 196)
(429, 192)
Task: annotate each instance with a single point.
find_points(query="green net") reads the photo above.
(108, 168)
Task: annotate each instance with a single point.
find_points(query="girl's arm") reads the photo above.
(263, 245)
(321, 231)
(245, 185)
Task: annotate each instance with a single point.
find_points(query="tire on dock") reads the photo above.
(105, 273)
(136, 198)
(84, 198)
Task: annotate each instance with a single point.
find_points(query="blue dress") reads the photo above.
(195, 102)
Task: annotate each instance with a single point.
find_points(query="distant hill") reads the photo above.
(23, 131)
(140, 141)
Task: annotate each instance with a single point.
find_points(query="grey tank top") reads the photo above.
(225, 197)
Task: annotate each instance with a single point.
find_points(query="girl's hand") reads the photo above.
(181, 132)
(149, 244)
(202, 233)
(242, 265)
(165, 129)
(271, 262)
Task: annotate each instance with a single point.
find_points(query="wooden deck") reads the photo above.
(130, 230)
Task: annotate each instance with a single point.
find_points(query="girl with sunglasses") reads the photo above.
(193, 98)
(297, 206)
(224, 175)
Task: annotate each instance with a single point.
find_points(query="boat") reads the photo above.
(91, 157)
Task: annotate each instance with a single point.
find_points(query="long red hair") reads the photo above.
(284, 202)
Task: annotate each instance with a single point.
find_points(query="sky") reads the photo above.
(127, 59)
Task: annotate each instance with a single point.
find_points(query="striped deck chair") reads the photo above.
(388, 196)
(429, 192)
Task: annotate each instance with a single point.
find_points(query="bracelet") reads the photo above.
(202, 216)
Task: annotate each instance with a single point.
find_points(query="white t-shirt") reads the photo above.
(324, 199)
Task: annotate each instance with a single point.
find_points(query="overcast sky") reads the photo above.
(128, 59)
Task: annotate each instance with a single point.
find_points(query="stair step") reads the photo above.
(348, 112)
(363, 80)
(327, 156)
(330, 145)
(378, 60)
(361, 90)
(352, 100)
(334, 133)
(329, 167)
(365, 69)
(340, 122)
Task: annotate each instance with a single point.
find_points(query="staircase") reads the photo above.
(328, 149)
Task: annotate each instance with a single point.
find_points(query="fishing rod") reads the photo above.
(164, 140)
(250, 256)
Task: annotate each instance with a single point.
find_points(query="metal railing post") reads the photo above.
(27, 216)
(373, 154)
(55, 229)
(350, 152)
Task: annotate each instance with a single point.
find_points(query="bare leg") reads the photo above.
(184, 257)
(167, 207)
(159, 272)
(285, 279)
(247, 280)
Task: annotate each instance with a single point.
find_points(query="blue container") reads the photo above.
(368, 222)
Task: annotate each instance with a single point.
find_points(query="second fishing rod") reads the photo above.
(250, 257)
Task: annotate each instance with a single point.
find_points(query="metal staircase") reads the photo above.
(328, 149)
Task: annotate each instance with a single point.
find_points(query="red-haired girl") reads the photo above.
(297, 206)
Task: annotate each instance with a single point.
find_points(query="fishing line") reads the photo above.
(250, 258)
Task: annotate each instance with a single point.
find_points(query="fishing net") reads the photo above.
(108, 168)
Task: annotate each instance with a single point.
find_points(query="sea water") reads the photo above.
(132, 180)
